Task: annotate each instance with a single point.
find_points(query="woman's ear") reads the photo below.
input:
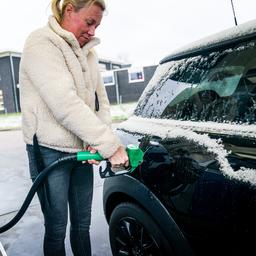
(69, 9)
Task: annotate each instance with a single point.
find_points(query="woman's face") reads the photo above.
(82, 23)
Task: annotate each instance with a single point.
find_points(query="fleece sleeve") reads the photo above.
(46, 67)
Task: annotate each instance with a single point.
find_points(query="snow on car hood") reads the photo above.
(186, 129)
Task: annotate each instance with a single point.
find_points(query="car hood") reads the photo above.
(199, 132)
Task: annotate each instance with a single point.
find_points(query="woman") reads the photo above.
(64, 104)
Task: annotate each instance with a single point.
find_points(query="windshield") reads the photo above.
(220, 87)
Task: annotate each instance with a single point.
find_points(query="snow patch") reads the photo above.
(166, 129)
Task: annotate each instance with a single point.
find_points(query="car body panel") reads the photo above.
(128, 187)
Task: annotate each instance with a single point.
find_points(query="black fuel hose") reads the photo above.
(39, 179)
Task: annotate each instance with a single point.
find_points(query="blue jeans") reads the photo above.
(70, 184)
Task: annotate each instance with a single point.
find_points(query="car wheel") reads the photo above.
(132, 231)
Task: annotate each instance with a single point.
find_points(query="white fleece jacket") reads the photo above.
(58, 81)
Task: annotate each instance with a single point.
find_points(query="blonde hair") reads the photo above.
(58, 6)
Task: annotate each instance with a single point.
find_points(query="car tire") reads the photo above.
(132, 231)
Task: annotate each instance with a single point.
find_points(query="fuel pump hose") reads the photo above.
(39, 179)
(135, 155)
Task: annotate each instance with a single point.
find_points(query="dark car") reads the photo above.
(195, 191)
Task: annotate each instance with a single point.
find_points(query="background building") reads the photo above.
(9, 82)
(123, 82)
(127, 84)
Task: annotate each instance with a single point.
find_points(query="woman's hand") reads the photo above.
(93, 151)
(119, 158)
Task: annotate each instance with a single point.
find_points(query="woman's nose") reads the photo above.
(91, 31)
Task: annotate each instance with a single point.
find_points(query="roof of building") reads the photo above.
(102, 60)
(10, 53)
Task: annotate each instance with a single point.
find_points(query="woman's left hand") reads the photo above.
(93, 151)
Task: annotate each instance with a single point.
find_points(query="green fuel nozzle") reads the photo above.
(134, 153)
(87, 155)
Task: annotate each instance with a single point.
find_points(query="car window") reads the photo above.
(219, 87)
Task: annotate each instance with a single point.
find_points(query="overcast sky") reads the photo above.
(140, 32)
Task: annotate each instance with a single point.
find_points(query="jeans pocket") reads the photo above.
(50, 155)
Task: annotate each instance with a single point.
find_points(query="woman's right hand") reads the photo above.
(119, 158)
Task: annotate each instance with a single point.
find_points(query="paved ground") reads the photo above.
(25, 239)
